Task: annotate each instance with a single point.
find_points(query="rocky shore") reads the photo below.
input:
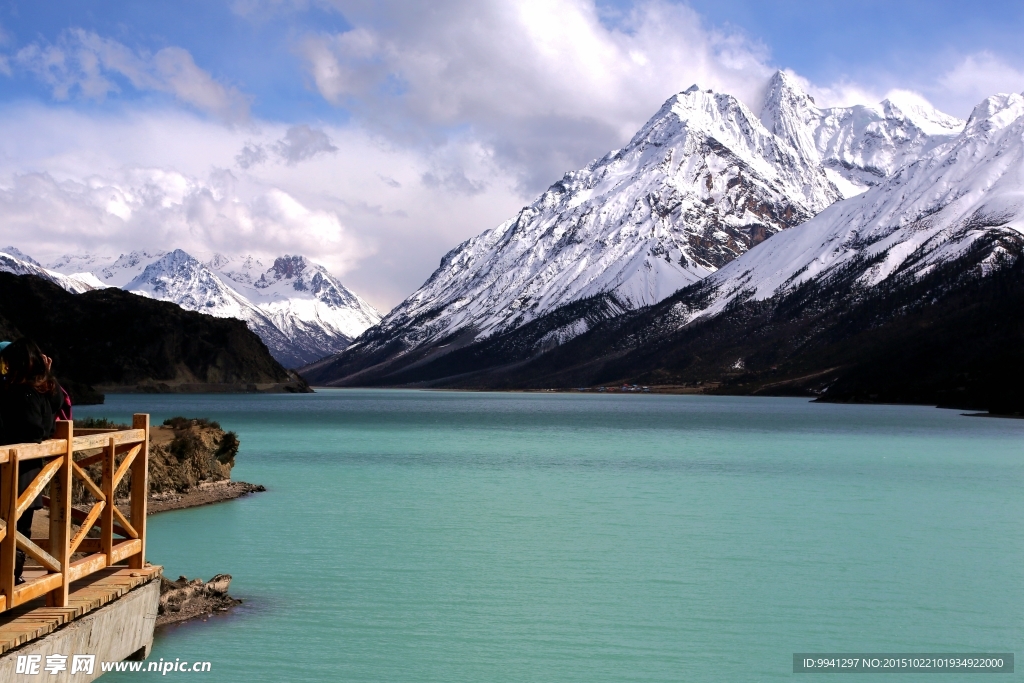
(205, 493)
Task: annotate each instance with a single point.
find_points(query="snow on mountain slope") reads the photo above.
(929, 212)
(20, 264)
(701, 183)
(182, 279)
(111, 272)
(20, 255)
(307, 303)
(859, 146)
(301, 312)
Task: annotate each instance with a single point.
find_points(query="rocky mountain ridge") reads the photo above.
(858, 146)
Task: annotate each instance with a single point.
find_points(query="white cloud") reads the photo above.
(544, 83)
(974, 78)
(85, 63)
(146, 207)
(95, 183)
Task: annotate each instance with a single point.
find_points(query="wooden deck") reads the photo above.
(35, 620)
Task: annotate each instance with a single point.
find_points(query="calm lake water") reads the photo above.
(428, 536)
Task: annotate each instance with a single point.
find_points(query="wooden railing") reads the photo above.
(70, 553)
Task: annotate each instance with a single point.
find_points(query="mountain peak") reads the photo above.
(915, 109)
(996, 112)
(783, 83)
(289, 266)
(20, 255)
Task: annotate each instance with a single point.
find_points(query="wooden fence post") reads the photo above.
(9, 512)
(140, 491)
(60, 515)
(107, 516)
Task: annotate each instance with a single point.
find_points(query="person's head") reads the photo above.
(23, 363)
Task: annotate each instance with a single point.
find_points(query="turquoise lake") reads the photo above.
(442, 536)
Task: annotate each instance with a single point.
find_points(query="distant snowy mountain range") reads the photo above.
(299, 310)
(790, 244)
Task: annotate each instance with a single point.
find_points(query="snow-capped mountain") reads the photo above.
(909, 292)
(859, 146)
(14, 261)
(701, 183)
(301, 312)
(20, 255)
(308, 304)
(183, 279)
(965, 196)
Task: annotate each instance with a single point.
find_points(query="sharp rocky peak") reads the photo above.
(289, 266)
(861, 145)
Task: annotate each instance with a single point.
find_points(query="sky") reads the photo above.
(375, 136)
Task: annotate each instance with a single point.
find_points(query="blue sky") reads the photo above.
(374, 136)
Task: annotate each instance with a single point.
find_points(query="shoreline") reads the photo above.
(709, 389)
(206, 493)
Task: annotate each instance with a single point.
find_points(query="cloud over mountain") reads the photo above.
(547, 85)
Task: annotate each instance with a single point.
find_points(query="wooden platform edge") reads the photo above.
(35, 620)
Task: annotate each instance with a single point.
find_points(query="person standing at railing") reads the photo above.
(30, 400)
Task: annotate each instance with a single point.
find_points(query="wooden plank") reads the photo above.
(140, 491)
(89, 546)
(43, 543)
(80, 517)
(8, 509)
(25, 623)
(125, 464)
(95, 490)
(90, 461)
(33, 490)
(38, 554)
(125, 549)
(31, 451)
(84, 443)
(87, 525)
(86, 566)
(33, 589)
(126, 529)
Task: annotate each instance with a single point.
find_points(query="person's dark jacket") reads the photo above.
(26, 416)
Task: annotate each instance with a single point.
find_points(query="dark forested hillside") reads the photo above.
(111, 340)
